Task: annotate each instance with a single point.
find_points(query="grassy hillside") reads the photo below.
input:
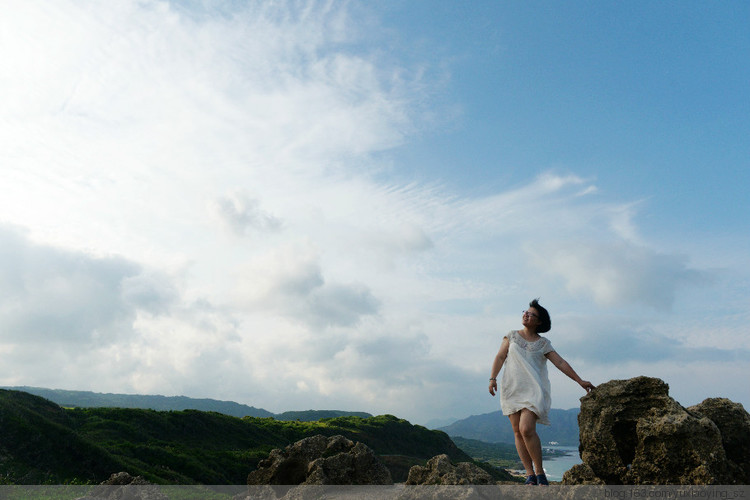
(44, 443)
(313, 415)
(498, 454)
(38, 444)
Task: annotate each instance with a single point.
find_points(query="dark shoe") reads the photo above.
(542, 480)
(531, 480)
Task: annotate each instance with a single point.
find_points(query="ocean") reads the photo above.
(555, 468)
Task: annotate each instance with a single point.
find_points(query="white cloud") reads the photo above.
(242, 215)
(289, 282)
(227, 158)
(64, 297)
(616, 340)
(342, 304)
(617, 273)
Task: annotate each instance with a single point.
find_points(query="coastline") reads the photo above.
(555, 465)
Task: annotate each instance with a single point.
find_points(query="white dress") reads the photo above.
(525, 383)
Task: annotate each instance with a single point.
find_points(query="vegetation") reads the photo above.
(313, 415)
(40, 445)
(43, 443)
(502, 455)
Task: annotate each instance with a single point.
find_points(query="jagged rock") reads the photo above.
(632, 432)
(734, 424)
(123, 486)
(123, 478)
(580, 474)
(321, 460)
(440, 471)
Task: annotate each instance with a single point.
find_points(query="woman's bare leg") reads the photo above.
(523, 454)
(530, 439)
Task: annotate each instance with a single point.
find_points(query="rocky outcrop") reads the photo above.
(125, 479)
(321, 460)
(440, 471)
(734, 425)
(122, 485)
(581, 474)
(633, 432)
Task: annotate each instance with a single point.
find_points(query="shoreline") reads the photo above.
(547, 457)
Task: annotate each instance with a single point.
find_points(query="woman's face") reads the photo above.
(530, 318)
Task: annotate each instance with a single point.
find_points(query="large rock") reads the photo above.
(124, 479)
(440, 471)
(632, 432)
(581, 474)
(123, 486)
(734, 424)
(321, 460)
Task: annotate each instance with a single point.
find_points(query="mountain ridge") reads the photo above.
(90, 399)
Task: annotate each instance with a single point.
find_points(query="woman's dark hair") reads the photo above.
(546, 322)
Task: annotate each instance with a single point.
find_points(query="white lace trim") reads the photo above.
(526, 345)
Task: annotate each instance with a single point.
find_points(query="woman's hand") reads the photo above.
(586, 385)
(493, 387)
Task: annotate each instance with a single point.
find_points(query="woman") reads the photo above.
(525, 388)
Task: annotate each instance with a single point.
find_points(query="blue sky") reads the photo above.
(344, 205)
(645, 97)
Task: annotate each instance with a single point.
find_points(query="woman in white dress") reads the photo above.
(524, 386)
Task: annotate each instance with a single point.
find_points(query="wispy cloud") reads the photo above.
(205, 212)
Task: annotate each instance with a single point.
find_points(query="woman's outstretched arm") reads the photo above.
(568, 370)
(498, 364)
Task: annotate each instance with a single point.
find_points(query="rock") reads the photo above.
(633, 432)
(440, 471)
(580, 474)
(123, 486)
(734, 424)
(321, 460)
(123, 478)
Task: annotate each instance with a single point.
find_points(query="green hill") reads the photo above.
(38, 444)
(313, 415)
(498, 454)
(44, 443)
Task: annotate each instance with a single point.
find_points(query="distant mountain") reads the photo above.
(495, 428)
(437, 423)
(43, 443)
(87, 399)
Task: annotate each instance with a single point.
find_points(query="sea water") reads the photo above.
(556, 467)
